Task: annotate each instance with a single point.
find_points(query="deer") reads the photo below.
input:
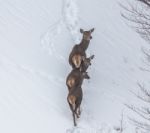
(77, 75)
(74, 99)
(78, 51)
(75, 78)
(74, 83)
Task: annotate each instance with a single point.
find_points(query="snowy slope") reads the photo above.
(35, 40)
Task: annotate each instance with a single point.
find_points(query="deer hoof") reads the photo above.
(75, 124)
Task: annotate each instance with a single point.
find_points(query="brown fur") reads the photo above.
(79, 63)
(77, 59)
(74, 82)
(75, 78)
(80, 49)
(70, 82)
(86, 63)
(74, 99)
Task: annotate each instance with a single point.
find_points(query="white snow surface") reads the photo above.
(36, 37)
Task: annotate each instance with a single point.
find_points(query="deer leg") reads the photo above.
(73, 114)
(78, 112)
(74, 119)
(77, 115)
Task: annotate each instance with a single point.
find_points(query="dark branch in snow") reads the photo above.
(140, 124)
(147, 55)
(146, 2)
(142, 112)
(139, 15)
(120, 128)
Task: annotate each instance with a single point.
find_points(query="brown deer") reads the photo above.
(77, 75)
(75, 78)
(74, 83)
(78, 52)
(74, 99)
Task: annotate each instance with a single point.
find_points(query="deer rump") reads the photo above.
(75, 78)
(76, 56)
(78, 52)
(77, 75)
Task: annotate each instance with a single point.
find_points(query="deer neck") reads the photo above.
(84, 44)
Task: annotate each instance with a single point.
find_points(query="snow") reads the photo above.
(36, 38)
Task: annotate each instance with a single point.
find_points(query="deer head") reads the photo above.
(87, 34)
(85, 75)
(87, 61)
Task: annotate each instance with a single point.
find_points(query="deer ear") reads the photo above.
(92, 30)
(81, 31)
(85, 75)
(92, 57)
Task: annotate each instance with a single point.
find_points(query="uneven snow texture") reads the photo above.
(36, 38)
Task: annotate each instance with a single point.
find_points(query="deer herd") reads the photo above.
(80, 63)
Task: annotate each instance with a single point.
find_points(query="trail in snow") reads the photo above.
(10, 65)
(69, 20)
(13, 96)
(70, 17)
(39, 86)
(103, 128)
(49, 38)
